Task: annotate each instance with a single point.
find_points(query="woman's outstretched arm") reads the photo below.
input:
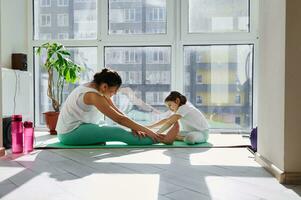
(101, 103)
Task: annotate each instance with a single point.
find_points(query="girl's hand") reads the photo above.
(179, 137)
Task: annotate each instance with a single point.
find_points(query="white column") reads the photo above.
(292, 128)
(1, 134)
(279, 98)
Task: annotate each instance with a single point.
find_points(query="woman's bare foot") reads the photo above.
(171, 134)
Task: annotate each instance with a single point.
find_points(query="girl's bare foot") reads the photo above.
(171, 134)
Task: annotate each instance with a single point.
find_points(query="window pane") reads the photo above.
(76, 19)
(146, 80)
(218, 16)
(137, 16)
(86, 57)
(224, 94)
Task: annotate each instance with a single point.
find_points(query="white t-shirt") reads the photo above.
(75, 112)
(191, 118)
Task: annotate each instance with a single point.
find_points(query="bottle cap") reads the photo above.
(27, 124)
(16, 117)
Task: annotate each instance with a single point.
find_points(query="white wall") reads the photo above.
(13, 29)
(271, 81)
(13, 36)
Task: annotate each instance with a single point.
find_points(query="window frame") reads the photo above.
(177, 37)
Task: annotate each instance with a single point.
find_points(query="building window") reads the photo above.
(45, 36)
(45, 3)
(157, 14)
(199, 78)
(62, 36)
(130, 15)
(62, 3)
(199, 100)
(45, 20)
(158, 57)
(237, 120)
(157, 77)
(62, 20)
(237, 99)
(130, 57)
(156, 98)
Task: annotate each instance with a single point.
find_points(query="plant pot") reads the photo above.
(51, 118)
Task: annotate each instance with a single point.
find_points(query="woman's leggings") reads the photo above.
(88, 134)
(194, 137)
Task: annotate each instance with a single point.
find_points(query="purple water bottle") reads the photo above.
(28, 136)
(17, 134)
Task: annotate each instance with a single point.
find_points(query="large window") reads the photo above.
(76, 18)
(205, 49)
(137, 17)
(218, 16)
(226, 89)
(146, 82)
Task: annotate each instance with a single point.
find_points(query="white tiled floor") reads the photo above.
(163, 174)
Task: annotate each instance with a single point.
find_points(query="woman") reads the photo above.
(80, 120)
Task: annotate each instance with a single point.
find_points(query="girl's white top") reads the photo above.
(191, 118)
(75, 112)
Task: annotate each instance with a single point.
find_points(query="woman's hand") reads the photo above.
(156, 137)
(139, 134)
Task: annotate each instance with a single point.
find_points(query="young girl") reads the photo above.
(194, 126)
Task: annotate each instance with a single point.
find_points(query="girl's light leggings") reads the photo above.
(194, 137)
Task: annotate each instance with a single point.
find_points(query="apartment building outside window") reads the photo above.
(62, 20)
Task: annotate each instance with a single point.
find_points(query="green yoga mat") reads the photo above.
(110, 145)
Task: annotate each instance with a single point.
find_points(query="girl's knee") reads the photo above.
(196, 137)
(190, 139)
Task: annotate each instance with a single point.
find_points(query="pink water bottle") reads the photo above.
(28, 136)
(17, 134)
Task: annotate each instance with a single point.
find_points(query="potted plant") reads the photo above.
(61, 69)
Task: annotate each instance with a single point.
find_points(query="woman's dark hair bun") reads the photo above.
(105, 70)
(108, 76)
